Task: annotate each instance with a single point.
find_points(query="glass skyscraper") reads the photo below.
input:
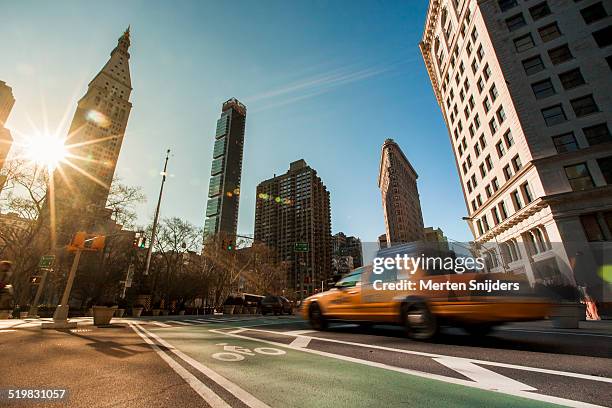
(225, 172)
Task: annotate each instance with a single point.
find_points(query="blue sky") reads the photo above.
(327, 81)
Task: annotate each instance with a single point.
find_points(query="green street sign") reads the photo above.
(46, 261)
(300, 247)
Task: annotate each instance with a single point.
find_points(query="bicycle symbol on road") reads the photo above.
(236, 353)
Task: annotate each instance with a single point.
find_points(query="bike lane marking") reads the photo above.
(203, 391)
(307, 380)
(229, 386)
(432, 355)
(456, 381)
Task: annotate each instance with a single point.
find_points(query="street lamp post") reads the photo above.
(155, 219)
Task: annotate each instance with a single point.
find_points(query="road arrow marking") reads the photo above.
(486, 378)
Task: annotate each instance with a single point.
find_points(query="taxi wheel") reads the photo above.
(419, 322)
(316, 319)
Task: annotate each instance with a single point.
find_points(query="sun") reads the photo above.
(44, 149)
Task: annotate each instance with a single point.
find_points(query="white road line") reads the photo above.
(234, 389)
(7, 330)
(298, 332)
(198, 386)
(481, 375)
(179, 322)
(517, 393)
(195, 321)
(237, 331)
(160, 324)
(484, 362)
(554, 332)
(300, 341)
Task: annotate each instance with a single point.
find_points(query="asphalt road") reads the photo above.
(254, 361)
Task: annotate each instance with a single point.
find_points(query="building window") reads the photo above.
(523, 43)
(533, 65)
(483, 171)
(543, 89)
(584, 105)
(480, 84)
(554, 115)
(501, 115)
(603, 37)
(516, 163)
(591, 227)
(501, 150)
(594, 13)
(483, 142)
(474, 66)
(508, 139)
(579, 177)
(474, 207)
(493, 126)
(486, 104)
(495, 184)
(515, 22)
(476, 122)
(479, 225)
(485, 223)
(488, 191)
(539, 11)
(549, 32)
(507, 172)
(493, 93)
(471, 102)
(597, 134)
(479, 200)
(489, 162)
(605, 165)
(565, 143)
(495, 215)
(527, 194)
(571, 79)
(516, 200)
(503, 210)
(505, 5)
(477, 150)
(560, 54)
(486, 71)
(480, 53)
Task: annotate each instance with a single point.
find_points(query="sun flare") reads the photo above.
(46, 150)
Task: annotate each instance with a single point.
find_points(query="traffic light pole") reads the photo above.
(155, 219)
(33, 312)
(60, 317)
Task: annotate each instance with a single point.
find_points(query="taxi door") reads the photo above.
(346, 301)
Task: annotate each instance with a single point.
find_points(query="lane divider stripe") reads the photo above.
(232, 388)
(198, 386)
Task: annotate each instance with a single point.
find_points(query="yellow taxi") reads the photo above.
(423, 300)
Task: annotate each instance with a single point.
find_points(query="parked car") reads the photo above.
(277, 305)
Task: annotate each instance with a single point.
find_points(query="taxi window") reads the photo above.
(349, 281)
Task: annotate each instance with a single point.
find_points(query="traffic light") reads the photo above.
(227, 244)
(87, 242)
(139, 240)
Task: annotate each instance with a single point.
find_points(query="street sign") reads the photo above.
(46, 261)
(300, 247)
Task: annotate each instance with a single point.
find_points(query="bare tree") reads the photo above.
(122, 199)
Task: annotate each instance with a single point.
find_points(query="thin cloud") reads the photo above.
(316, 85)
